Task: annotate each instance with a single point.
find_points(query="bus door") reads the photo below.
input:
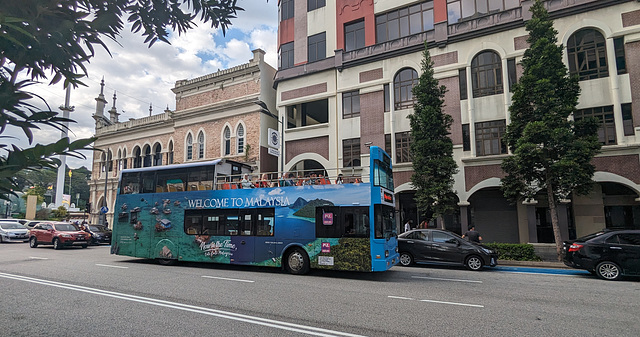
(265, 245)
(242, 238)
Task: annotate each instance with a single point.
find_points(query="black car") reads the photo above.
(443, 247)
(99, 234)
(609, 254)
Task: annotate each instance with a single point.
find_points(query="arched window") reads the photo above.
(147, 156)
(137, 158)
(201, 145)
(109, 161)
(119, 160)
(486, 74)
(170, 153)
(157, 155)
(125, 160)
(189, 147)
(227, 141)
(587, 52)
(403, 85)
(103, 162)
(240, 138)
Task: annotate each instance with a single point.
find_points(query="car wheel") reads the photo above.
(474, 262)
(167, 262)
(406, 259)
(1, 239)
(33, 242)
(608, 271)
(85, 246)
(56, 244)
(297, 262)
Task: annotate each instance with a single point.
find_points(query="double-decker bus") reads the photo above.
(199, 212)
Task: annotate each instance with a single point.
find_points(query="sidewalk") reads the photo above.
(536, 264)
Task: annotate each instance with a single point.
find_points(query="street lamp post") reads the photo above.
(265, 110)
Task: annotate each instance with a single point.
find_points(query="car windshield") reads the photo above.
(66, 227)
(11, 226)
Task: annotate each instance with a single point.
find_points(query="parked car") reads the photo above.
(99, 234)
(608, 254)
(31, 223)
(58, 234)
(443, 247)
(13, 231)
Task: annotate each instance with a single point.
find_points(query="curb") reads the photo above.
(538, 264)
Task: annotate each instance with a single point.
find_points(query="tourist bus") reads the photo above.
(199, 212)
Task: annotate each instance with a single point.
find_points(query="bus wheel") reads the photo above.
(297, 262)
(167, 262)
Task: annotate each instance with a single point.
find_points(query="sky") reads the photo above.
(141, 76)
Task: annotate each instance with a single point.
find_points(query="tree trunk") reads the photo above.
(554, 220)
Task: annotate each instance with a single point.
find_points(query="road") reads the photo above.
(90, 292)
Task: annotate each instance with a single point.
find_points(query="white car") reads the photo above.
(13, 231)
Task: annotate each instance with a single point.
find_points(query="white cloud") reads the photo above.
(141, 75)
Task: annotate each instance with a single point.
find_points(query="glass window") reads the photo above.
(486, 74)
(404, 21)
(621, 62)
(387, 98)
(201, 145)
(240, 138)
(511, 70)
(454, 13)
(170, 154)
(627, 120)
(403, 147)
(354, 36)
(137, 158)
(629, 239)
(351, 104)
(266, 220)
(285, 58)
(466, 138)
(157, 155)
(387, 144)
(587, 52)
(315, 4)
(351, 152)
(311, 113)
(189, 147)
(441, 237)
(316, 47)
(227, 141)
(286, 9)
(462, 81)
(489, 138)
(147, 156)
(246, 224)
(607, 128)
(403, 84)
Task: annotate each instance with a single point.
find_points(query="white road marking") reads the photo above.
(106, 265)
(310, 330)
(446, 279)
(227, 279)
(38, 258)
(454, 303)
(440, 302)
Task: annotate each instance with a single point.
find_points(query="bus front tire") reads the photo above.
(167, 262)
(297, 262)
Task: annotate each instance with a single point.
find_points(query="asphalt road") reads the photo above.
(90, 292)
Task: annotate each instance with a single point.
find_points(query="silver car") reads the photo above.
(11, 231)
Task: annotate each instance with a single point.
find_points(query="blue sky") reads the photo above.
(141, 76)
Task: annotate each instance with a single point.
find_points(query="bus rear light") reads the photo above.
(386, 253)
(377, 256)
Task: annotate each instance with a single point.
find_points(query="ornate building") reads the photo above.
(346, 69)
(216, 116)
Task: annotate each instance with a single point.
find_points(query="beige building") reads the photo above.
(346, 69)
(216, 116)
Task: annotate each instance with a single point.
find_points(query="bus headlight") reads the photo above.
(386, 253)
(396, 249)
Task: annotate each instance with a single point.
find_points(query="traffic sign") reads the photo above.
(273, 152)
(104, 209)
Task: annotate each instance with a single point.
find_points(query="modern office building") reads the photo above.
(216, 116)
(344, 79)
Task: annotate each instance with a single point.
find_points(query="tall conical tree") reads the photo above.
(551, 153)
(431, 146)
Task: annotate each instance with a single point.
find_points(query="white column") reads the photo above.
(471, 112)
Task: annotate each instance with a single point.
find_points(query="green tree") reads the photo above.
(60, 213)
(35, 190)
(57, 38)
(551, 153)
(431, 146)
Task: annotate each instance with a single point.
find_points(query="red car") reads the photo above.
(58, 234)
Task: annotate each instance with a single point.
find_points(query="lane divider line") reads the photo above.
(228, 279)
(310, 330)
(38, 258)
(446, 279)
(110, 266)
(439, 302)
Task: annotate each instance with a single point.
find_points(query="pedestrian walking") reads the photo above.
(472, 235)
(408, 225)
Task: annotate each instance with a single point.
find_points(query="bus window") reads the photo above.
(212, 225)
(130, 183)
(385, 221)
(266, 219)
(355, 221)
(231, 225)
(328, 222)
(148, 182)
(246, 225)
(193, 224)
(172, 180)
(200, 179)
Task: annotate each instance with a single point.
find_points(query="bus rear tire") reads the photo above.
(297, 262)
(167, 262)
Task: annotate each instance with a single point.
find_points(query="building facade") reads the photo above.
(344, 79)
(216, 116)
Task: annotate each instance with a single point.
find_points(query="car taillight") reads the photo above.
(575, 247)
